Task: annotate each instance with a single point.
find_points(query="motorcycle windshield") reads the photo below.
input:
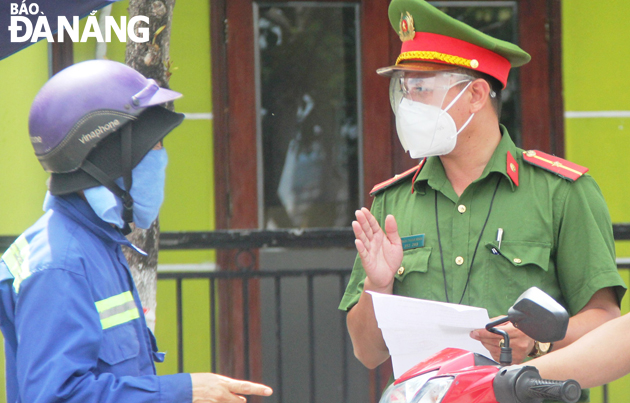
(405, 392)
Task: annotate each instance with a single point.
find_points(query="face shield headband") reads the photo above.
(417, 98)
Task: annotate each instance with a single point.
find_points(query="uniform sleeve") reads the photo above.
(59, 335)
(586, 249)
(357, 278)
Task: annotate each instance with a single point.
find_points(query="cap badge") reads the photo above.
(407, 30)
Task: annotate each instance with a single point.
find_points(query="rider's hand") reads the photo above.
(380, 252)
(520, 343)
(212, 388)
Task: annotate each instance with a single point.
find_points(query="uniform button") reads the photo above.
(517, 260)
(461, 208)
(530, 153)
(401, 271)
(459, 260)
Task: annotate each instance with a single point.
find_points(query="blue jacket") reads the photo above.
(72, 319)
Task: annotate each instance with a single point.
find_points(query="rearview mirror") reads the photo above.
(539, 316)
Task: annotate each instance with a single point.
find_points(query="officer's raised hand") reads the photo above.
(380, 251)
(381, 254)
(213, 388)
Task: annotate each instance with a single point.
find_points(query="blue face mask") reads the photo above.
(147, 191)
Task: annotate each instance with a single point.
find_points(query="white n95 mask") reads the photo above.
(424, 128)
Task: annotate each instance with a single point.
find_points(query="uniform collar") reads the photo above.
(502, 161)
(78, 210)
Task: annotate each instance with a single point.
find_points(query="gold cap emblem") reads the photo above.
(407, 30)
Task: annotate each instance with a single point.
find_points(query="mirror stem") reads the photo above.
(506, 351)
(497, 322)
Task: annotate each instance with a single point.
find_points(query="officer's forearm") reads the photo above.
(600, 309)
(367, 339)
(599, 357)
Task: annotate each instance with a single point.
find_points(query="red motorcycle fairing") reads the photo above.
(447, 360)
(472, 386)
(473, 375)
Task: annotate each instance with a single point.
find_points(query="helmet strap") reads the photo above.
(105, 180)
(125, 153)
(109, 183)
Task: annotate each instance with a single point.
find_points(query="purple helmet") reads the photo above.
(94, 121)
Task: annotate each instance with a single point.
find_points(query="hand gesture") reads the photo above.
(380, 252)
(520, 343)
(213, 388)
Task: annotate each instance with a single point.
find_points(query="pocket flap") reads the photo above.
(157, 356)
(521, 253)
(414, 260)
(119, 343)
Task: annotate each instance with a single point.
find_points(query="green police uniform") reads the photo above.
(557, 235)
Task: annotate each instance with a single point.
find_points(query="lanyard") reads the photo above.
(437, 225)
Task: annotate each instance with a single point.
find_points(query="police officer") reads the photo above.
(69, 310)
(479, 220)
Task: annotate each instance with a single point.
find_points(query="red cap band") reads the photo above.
(428, 47)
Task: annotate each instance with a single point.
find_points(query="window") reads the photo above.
(307, 71)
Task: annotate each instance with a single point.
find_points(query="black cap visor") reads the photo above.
(150, 127)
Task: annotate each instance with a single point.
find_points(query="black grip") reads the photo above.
(567, 391)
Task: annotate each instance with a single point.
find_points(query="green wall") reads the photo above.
(23, 182)
(595, 64)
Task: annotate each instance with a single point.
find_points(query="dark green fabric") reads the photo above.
(559, 229)
(429, 19)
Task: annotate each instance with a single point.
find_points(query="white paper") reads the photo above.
(415, 329)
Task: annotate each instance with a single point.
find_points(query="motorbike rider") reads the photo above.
(432, 231)
(70, 313)
(599, 357)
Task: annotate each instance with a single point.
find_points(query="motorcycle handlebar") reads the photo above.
(524, 385)
(567, 391)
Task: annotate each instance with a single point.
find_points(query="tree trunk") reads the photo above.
(152, 60)
(144, 268)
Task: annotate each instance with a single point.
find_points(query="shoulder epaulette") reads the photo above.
(561, 167)
(397, 178)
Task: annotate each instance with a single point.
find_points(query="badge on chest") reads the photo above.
(412, 241)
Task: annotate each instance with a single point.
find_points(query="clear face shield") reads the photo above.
(422, 122)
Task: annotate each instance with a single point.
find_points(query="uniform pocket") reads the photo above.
(523, 253)
(414, 261)
(517, 266)
(120, 343)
